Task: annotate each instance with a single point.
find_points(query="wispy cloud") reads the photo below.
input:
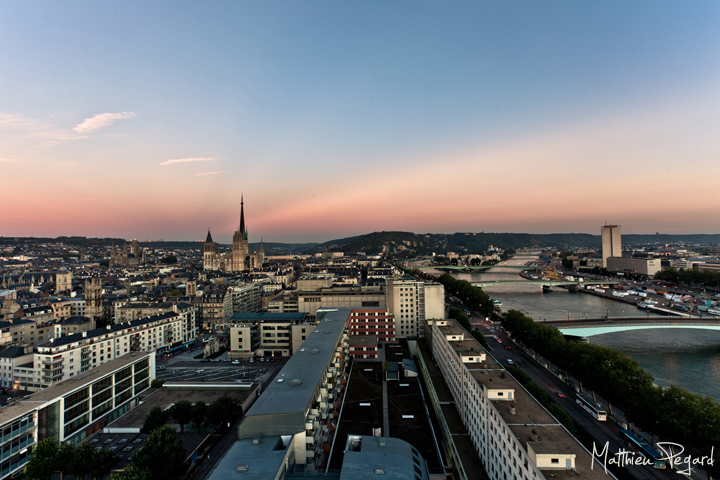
(211, 173)
(187, 160)
(10, 160)
(101, 120)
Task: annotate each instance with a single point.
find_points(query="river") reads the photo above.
(684, 357)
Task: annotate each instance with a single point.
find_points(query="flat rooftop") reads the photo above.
(268, 317)
(31, 402)
(164, 397)
(281, 407)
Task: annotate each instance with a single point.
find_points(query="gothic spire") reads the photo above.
(209, 237)
(242, 217)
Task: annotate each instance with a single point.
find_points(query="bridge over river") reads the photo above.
(467, 268)
(591, 327)
(544, 283)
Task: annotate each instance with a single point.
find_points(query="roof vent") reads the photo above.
(242, 468)
(295, 381)
(314, 350)
(379, 470)
(256, 440)
(326, 331)
(382, 442)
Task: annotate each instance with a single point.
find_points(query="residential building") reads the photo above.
(338, 296)
(286, 428)
(267, 334)
(508, 430)
(65, 357)
(246, 297)
(411, 302)
(73, 409)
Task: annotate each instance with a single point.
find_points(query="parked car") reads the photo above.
(236, 362)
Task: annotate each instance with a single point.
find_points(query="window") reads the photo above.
(554, 460)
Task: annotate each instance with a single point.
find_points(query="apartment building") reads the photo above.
(286, 429)
(73, 409)
(267, 334)
(353, 296)
(216, 309)
(246, 297)
(411, 302)
(510, 432)
(375, 322)
(66, 357)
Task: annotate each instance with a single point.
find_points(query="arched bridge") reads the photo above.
(589, 328)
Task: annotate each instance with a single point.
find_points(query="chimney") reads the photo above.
(84, 334)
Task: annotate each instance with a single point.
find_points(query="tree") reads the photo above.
(82, 461)
(169, 259)
(155, 419)
(220, 410)
(102, 461)
(64, 458)
(42, 464)
(162, 454)
(131, 472)
(198, 413)
(182, 412)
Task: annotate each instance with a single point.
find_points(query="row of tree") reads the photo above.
(707, 277)
(80, 461)
(673, 413)
(473, 297)
(184, 412)
(458, 315)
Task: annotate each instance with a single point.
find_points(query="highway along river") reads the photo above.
(687, 358)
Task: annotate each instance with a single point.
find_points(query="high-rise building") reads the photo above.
(611, 242)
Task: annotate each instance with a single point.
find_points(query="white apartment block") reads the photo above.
(128, 312)
(72, 410)
(512, 434)
(246, 297)
(412, 302)
(66, 357)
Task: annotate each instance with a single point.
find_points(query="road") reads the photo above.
(602, 432)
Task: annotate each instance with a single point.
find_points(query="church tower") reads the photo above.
(208, 252)
(240, 243)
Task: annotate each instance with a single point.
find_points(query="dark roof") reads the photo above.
(13, 352)
(209, 238)
(75, 319)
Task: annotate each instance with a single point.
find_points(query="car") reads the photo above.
(509, 361)
(236, 362)
(561, 394)
(252, 360)
(499, 341)
(278, 359)
(262, 359)
(507, 347)
(162, 367)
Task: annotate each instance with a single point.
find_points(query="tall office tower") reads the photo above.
(611, 242)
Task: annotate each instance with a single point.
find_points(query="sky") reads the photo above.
(150, 119)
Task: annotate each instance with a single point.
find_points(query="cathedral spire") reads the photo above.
(242, 217)
(209, 237)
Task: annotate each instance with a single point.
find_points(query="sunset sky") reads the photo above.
(336, 118)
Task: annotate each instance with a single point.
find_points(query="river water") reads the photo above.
(684, 357)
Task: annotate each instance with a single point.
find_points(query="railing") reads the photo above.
(14, 450)
(15, 433)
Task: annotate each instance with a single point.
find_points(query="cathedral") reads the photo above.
(239, 259)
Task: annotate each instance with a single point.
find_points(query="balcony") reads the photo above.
(16, 449)
(16, 432)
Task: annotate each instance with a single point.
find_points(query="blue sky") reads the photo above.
(338, 118)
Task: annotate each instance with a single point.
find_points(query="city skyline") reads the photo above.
(138, 120)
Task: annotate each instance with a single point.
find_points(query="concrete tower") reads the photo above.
(611, 242)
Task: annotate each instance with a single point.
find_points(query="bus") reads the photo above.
(643, 448)
(591, 408)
